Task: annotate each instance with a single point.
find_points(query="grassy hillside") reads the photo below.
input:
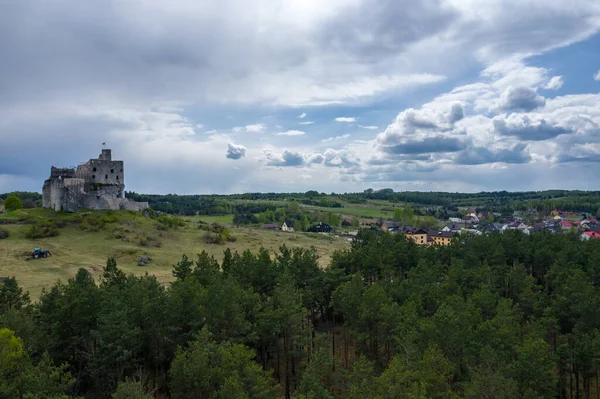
(126, 236)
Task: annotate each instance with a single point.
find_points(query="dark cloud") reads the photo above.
(374, 30)
(235, 151)
(581, 155)
(456, 113)
(526, 129)
(287, 158)
(426, 145)
(520, 99)
(481, 155)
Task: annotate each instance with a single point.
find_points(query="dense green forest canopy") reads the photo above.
(500, 201)
(498, 316)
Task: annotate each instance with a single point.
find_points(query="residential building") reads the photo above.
(287, 226)
(444, 238)
(419, 236)
(323, 228)
(270, 226)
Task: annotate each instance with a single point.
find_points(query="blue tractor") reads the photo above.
(38, 253)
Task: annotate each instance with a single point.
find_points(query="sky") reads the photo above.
(232, 96)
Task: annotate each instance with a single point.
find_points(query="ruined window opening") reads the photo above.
(94, 169)
(106, 176)
(93, 176)
(112, 171)
(117, 177)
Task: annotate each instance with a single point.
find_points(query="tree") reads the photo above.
(218, 370)
(184, 268)
(13, 203)
(12, 296)
(19, 378)
(131, 389)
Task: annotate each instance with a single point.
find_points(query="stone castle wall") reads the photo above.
(97, 184)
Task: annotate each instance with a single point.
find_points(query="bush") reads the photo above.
(13, 203)
(169, 222)
(150, 241)
(218, 234)
(42, 229)
(3, 234)
(92, 222)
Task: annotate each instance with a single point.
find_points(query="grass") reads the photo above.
(122, 238)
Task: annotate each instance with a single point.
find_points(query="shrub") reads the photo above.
(3, 234)
(92, 222)
(218, 234)
(150, 241)
(13, 203)
(42, 229)
(169, 222)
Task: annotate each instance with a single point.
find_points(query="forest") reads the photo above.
(500, 201)
(498, 316)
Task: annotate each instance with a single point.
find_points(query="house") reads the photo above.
(444, 238)
(390, 226)
(287, 226)
(489, 229)
(589, 235)
(323, 228)
(270, 226)
(566, 225)
(452, 227)
(470, 219)
(419, 236)
(455, 220)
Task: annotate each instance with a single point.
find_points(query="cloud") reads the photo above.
(336, 138)
(291, 133)
(555, 83)
(287, 158)
(581, 153)
(302, 115)
(307, 123)
(525, 128)
(597, 76)
(426, 145)
(345, 119)
(456, 113)
(480, 155)
(369, 127)
(520, 99)
(199, 126)
(235, 151)
(257, 128)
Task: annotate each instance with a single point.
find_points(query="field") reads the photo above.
(128, 236)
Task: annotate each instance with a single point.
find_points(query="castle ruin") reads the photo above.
(97, 184)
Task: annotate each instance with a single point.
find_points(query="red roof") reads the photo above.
(592, 234)
(566, 224)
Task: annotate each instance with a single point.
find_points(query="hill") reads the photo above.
(87, 238)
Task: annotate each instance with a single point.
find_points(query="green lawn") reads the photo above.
(127, 239)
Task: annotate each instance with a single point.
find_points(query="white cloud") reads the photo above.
(235, 151)
(336, 138)
(291, 133)
(302, 115)
(597, 76)
(257, 128)
(345, 119)
(369, 127)
(199, 126)
(555, 83)
(307, 123)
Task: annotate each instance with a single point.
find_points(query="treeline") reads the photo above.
(501, 316)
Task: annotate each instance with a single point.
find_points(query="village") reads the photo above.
(477, 223)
